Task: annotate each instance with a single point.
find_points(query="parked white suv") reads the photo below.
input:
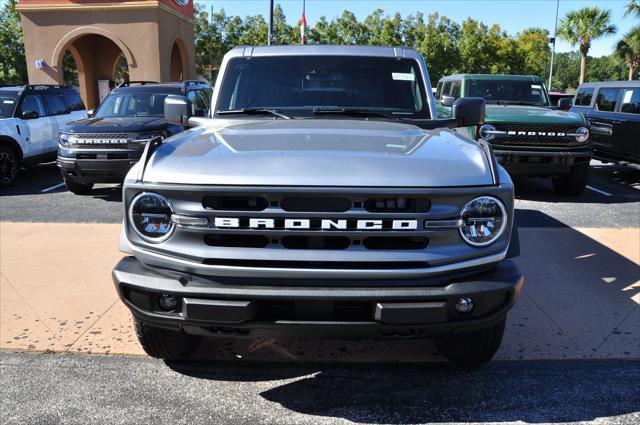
(30, 121)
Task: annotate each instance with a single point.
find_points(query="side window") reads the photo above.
(584, 96)
(631, 101)
(446, 88)
(55, 104)
(73, 102)
(439, 90)
(33, 102)
(455, 89)
(607, 99)
(199, 99)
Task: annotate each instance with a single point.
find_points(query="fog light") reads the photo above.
(167, 302)
(464, 305)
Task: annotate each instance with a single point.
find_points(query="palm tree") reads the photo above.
(633, 8)
(581, 27)
(628, 50)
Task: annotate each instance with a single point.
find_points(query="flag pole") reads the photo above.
(303, 25)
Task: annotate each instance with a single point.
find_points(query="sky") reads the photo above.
(512, 15)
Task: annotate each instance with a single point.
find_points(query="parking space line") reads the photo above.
(602, 192)
(52, 187)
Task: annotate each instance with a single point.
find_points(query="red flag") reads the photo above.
(303, 25)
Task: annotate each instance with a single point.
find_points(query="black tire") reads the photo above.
(164, 343)
(472, 348)
(572, 184)
(78, 188)
(9, 165)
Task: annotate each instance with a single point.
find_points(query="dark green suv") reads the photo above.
(529, 136)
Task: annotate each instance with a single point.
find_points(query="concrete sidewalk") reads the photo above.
(581, 299)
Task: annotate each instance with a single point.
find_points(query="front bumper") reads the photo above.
(219, 307)
(96, 166)
(540, 163)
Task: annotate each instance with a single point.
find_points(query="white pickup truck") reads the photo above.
(30, 120)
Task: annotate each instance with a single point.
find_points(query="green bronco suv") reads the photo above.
(528, 135)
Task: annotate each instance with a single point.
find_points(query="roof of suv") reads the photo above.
(150, 87)
(492, 77)
(634, 83)
(37, 87)
(324, 50)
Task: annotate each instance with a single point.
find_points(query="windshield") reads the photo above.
(301, 84)
(132, 104)
(509, 92)
(8, 99)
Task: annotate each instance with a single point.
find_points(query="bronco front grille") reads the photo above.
(303, 222)
(101, 141)
(536, 135)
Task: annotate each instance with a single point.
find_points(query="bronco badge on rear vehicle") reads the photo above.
(323, 196)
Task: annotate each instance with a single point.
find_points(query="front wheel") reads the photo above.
(164, 343)
(572, 184)
(8, 167)
(78, 188)
(472, 348)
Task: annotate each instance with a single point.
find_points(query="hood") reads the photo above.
(497, 114)
(116, 125)
(320, 152)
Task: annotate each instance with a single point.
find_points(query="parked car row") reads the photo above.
(532, 132)
(39, 123)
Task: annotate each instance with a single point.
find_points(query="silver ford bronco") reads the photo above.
(322, 198)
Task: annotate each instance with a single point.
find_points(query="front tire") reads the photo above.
(78, 188)
(164, 343)
(8, 167)
(572, 184)
(472, 348)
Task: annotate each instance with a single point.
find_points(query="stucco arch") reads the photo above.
(178, 52)
(71, 36)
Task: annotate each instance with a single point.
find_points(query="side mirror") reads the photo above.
(447, 100)
(30, 115)
(469, 111)
(177, 110)
(565, 104)
(90, 112)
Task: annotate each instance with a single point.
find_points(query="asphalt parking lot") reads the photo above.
(571, 350)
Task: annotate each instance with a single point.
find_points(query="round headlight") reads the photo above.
(582, 135)
(64, 139)
(150, 216)
(484, 220)
(487, 132)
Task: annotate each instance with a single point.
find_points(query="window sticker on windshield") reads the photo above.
(403, 76)
(9, 101)
(627, 96)
(536, 87)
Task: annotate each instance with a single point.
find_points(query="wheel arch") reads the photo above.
(13, 144)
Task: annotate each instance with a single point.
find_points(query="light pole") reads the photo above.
(270, 41)
(553, 41)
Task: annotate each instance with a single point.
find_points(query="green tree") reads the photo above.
(581, 27)
(534, 51)
(13, 65)
(437, 41)
(628, 51)
(633, 8)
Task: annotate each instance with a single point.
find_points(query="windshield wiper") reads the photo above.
(353, 112)
(255, 111)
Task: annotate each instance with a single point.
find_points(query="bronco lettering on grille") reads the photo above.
(309, 224)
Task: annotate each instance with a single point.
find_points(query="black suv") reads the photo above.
(613, 110)
(102, 148)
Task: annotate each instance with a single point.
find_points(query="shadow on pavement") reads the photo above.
(533, 392)
(32, 180)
